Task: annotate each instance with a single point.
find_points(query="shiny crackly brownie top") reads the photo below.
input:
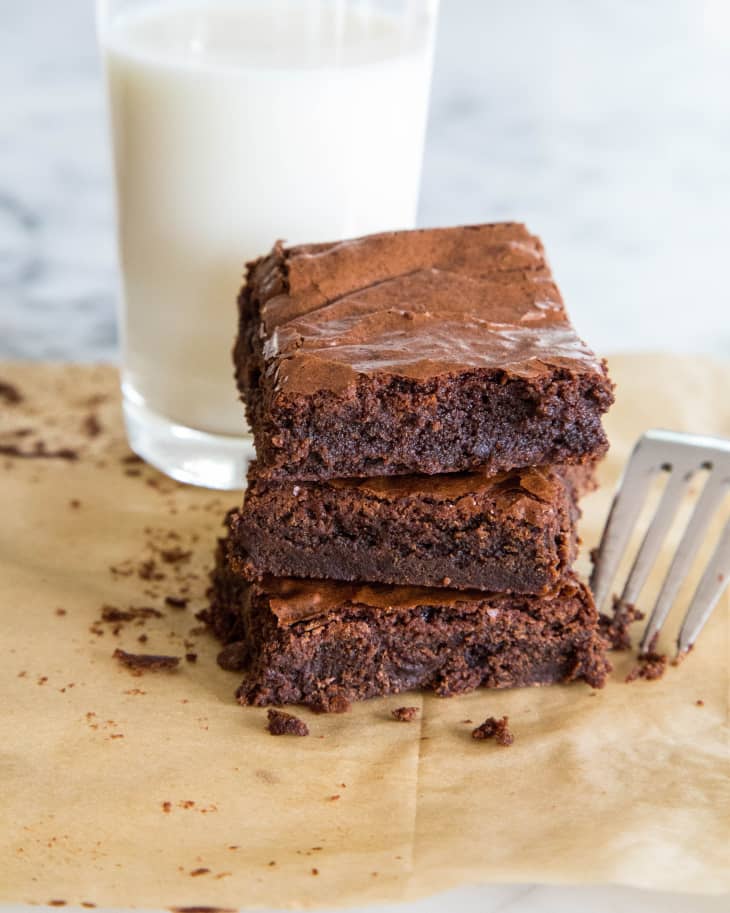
(415, 304)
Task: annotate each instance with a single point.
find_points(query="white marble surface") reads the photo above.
(605, 125)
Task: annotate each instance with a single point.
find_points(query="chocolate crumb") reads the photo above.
(650, 667)
(92, 426)
(167, 807)
(405, 714)
(493, 728)
(615, 627)
(191, 657)
(196, 872)
(74, 503)
(700, 703)
(10, 394)
(315, 871)
(336, 704)
(142, 638)
(56, 903)
(60, 612)
(131, 459)
(146, 662)
(175, 555)
(281, 723)
(177, 602)
(88, 904)
(202, 909)
(39, 452)
(335, 797)
(147, 570)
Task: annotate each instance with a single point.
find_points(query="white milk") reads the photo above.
(234, 124)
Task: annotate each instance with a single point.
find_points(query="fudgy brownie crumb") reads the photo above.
(177, 602)
(10, 394)
(336, 703)
(146, 662)
(281, 723)
(404, 714)
(191, 657)
(174, 555)
(92, 426)
(202, 909)
(493, 728)
(615, 627)
(650, 666)
(39, 452)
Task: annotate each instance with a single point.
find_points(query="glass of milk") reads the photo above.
(235, 123)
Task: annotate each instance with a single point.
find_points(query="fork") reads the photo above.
(681, 456)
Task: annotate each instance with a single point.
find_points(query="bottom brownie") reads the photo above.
(324, 644)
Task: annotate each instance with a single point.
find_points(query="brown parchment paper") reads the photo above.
(627, 785)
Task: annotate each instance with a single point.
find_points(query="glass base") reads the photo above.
(196, 457)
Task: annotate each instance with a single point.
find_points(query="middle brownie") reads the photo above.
(512, 532)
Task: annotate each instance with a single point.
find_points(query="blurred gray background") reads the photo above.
(604, 124)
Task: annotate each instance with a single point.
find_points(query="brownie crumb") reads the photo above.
(651, 666)
(405, 714)
(281, 723)
(60, 612)
(335, 704)
(92, 426)
(88, 904)
(615, 627)
(56, 903)
(10, 394)
(315, 871)
(700, 703)
(493, 728)
(147, 570)
(196, 872)
(202, 909)
(177, 602)
(39, 452)
(146, 662)
(174, 555)
(74, 503)
(131, 459)
(191, 657)
(142, 638)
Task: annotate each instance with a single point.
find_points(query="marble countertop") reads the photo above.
(604, 125)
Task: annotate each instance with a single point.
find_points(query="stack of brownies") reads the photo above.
(425, 420)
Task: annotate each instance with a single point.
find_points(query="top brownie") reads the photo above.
(428, 351)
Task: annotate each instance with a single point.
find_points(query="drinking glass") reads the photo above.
(235, 123)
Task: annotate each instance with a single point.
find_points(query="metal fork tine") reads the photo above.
(622, 517)
(683, 557)
(709, 590)
(657, 531)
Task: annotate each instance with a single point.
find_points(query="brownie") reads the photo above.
(323, 643)
(432, 351)
(512, 532)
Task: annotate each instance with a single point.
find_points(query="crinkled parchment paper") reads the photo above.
(160, 791)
